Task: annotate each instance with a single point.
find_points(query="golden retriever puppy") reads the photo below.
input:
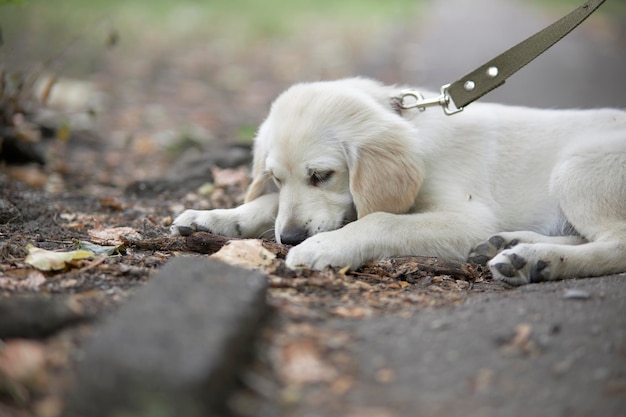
(345, 175)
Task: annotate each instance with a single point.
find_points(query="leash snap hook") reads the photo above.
(411, 99)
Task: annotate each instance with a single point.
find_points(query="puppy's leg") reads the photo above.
(488, 249)
(250, 220)
(379, 235)
(590, 187)
(528, 263)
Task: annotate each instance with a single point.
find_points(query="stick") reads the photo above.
(209, 243)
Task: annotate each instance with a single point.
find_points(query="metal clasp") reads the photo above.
(411, 99)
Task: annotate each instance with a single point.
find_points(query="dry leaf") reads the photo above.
(22, 369)
(356, 312)
(385, 375)
(521, 342)
(247, 253)
(522, 335)
(21, 360)
(32, 281)
(46, 260)
(100, 249)
(483, 381)
(112, 236)
(229, 176)
(112, 203)
(302, 363)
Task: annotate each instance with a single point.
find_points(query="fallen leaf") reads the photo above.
(229, 176)
(206, 189)
(22, 369)
(51, 406)
(112, 203)
(46, 260)
(356, 312)
(100, 249)
(302, 363)
(112, 235)
(483, 381)
(21, 359)
(521, 341)
(247, 253)
(342, 385)
(385, 375)
(32, 281)
(522, 334)
(32, 175)
(344, 270)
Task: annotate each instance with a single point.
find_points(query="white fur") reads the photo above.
(422, 183)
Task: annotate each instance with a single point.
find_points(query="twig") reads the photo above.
(167, 243)
(209, 243)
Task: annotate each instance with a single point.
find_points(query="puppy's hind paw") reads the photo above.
(485, 251)
(514, 269)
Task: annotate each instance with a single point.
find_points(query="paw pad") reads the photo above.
(538, 272)
(487, 250)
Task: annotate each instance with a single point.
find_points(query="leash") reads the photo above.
(455, 96)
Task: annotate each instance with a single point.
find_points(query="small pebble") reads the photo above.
(574, 294)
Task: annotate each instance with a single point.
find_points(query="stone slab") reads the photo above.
(175, 347)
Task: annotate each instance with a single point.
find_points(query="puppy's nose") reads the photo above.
(293, 236)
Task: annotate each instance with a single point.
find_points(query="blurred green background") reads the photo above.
(207, 70)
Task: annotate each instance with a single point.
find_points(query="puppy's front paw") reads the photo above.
(322, 250)
(221, 222)
(185, 223)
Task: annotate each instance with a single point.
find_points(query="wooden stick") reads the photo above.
(209, 243)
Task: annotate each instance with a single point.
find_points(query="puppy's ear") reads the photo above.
(260, 185)
(385, 174)
(260, 180)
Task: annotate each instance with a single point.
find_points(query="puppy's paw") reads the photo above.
(485, 251)
(518, 268)
(322, 250)
(223, 222)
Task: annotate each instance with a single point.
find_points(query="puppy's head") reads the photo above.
(337, 151)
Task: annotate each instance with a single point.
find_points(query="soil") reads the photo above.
(300, 300)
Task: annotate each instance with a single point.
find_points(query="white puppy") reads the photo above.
(539, 194)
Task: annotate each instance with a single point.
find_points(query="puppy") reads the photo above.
(347, 176)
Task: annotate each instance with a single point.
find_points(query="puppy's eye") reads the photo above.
(318, 177)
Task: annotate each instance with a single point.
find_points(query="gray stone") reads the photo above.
(175, 347)
(9, 213)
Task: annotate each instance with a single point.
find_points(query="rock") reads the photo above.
(174, 349)
(9, 213)
(191, 171)
(38, 317)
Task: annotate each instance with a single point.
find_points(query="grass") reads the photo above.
(38, 29)
(251, 16)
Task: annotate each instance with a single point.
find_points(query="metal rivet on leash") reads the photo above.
(469, 85)
(492, 72)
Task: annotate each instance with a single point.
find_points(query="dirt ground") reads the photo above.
(36, 382)
(105, 188)
(174, 132)
(76, 197)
